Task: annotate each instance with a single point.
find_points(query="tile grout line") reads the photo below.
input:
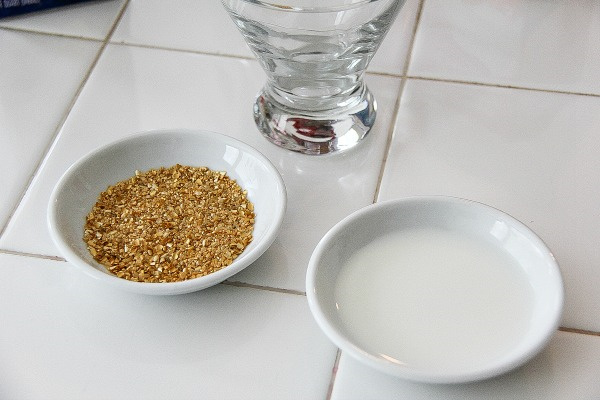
(116, 23)
(388, 143)
(32, 255)
(334, 371)
(409, 54)
(130, 44)
(186, 51)
(240, 284)
(392, 127)
(51, 34)
(67, 112)
(579, 331)
(265, 288)
(251, 58)
(500, 86)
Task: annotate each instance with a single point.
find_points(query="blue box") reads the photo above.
(16, 7)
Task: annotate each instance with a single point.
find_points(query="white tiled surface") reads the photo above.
(553, 45)
(66, 337)
(201, 26)
(535, 155)
(134, 89)
(522, 147)
(39, 78)
(204, 26)
(93, 19)
(566, 369)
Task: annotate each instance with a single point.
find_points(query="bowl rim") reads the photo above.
(419, 375)
(169, 288)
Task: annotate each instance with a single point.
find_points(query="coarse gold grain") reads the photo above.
(170, 224)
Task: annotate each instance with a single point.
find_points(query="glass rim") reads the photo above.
(299, 5)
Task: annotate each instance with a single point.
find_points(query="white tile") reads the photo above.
(91, 19)
(541, 44)
(532, 154)
(186, 25)
(64, 336)
(136, 89)
(40, 76)
(566, 369)
(392, 54)
(322, 190)
(206, 27)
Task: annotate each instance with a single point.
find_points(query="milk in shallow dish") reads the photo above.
(436, 299)
(435, 289)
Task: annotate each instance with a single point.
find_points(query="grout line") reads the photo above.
(388, 144)
(32, 255)
(61, 122)
(188, 51)
(385, 74)
(334, 371)
(228, 283)
(411, 46)
(260, 287)
(273, 289)
(116, 22)
(53, 34)
(501, 86)
(579, 331)
(392, 127)
(409, 53)
(404, 73)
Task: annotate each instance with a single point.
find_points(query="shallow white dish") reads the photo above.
(79, 187)
(428, 307)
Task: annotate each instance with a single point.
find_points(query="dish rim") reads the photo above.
(168, 288)
(347, 345)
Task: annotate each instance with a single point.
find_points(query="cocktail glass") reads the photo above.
(315, 53)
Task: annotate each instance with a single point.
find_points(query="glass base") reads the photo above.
(315, 132)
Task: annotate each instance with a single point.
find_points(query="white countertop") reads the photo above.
(497, 102)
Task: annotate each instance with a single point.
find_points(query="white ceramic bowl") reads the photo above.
(435, 289)
(78, 190)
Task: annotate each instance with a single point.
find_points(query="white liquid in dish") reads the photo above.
(434, 299)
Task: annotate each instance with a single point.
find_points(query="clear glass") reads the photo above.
(315, 53)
